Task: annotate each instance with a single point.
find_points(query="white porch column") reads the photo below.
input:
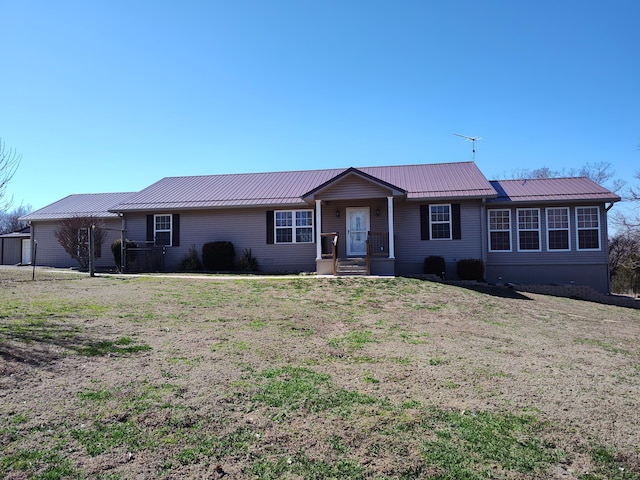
(318, 230)
(392, 247)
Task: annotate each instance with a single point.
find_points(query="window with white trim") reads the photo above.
(528, 229)
(588, 228)
(499, 230)
(440, 222)
(293, 226)
(162, 229)
(558, 238)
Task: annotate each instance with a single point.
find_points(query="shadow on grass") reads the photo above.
(38, 342)
(485, 288)
(495, 291)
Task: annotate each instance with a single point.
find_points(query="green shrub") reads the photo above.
(434, 265)
(190, 262)
(116, 249)
(217, 256)
(248, 263)
(470, 269)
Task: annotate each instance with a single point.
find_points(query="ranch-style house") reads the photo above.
(381, 220)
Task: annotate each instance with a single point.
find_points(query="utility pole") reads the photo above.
(92, 260)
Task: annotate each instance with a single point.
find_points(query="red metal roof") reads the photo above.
(89, 204)
(427, 181)
(445, 180)
(551, 190)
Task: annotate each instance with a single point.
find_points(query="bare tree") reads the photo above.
(73, 236)
(624, 262)
(9, 220)
(599, 172)
(630, 222)
(9, 161)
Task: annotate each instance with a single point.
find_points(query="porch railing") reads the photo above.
(330, 248)
(378, 244)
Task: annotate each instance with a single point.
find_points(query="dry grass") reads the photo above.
(305, 377)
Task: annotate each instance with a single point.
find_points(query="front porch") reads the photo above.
(354, 230)
(376, 260)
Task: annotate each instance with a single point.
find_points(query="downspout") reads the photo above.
(32, 229)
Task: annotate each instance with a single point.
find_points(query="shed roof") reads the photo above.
(551, 190)
(444, 180)
(83, 204)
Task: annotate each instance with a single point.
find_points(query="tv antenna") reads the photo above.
(473, 143)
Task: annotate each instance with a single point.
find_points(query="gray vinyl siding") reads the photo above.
(580, 267)
(244, 227)
(352, 188)
(545, 256)
(51, 254)
(411, 251)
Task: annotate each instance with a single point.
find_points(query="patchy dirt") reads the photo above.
(178, 362)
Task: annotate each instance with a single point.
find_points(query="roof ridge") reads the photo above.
(315, 170)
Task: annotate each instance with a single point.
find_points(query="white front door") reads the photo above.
(357, 230)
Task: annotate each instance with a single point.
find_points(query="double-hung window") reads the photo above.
(529, 229)
(558, 238)
(162, 229)
(500, 230)
(440, 222)
(293, 226)
(588, 228)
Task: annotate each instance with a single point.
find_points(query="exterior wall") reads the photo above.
(11, 253)
(51, 254)
(244, 227)
(411, 251)
(594, 276)
(586, 267)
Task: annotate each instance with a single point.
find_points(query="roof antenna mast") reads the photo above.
(473, 143)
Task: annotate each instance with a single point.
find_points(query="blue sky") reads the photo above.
(112, 96)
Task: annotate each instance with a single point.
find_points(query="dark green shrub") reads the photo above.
(190, 262)
(470, 269)
(116, 250)
(217, 256)
(434, 265)
(248, 263)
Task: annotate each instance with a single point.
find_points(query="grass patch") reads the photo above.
(607, 347)
(290, 389)
(352, 341)
(285, 396)
(122, 346)
(41, 464)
